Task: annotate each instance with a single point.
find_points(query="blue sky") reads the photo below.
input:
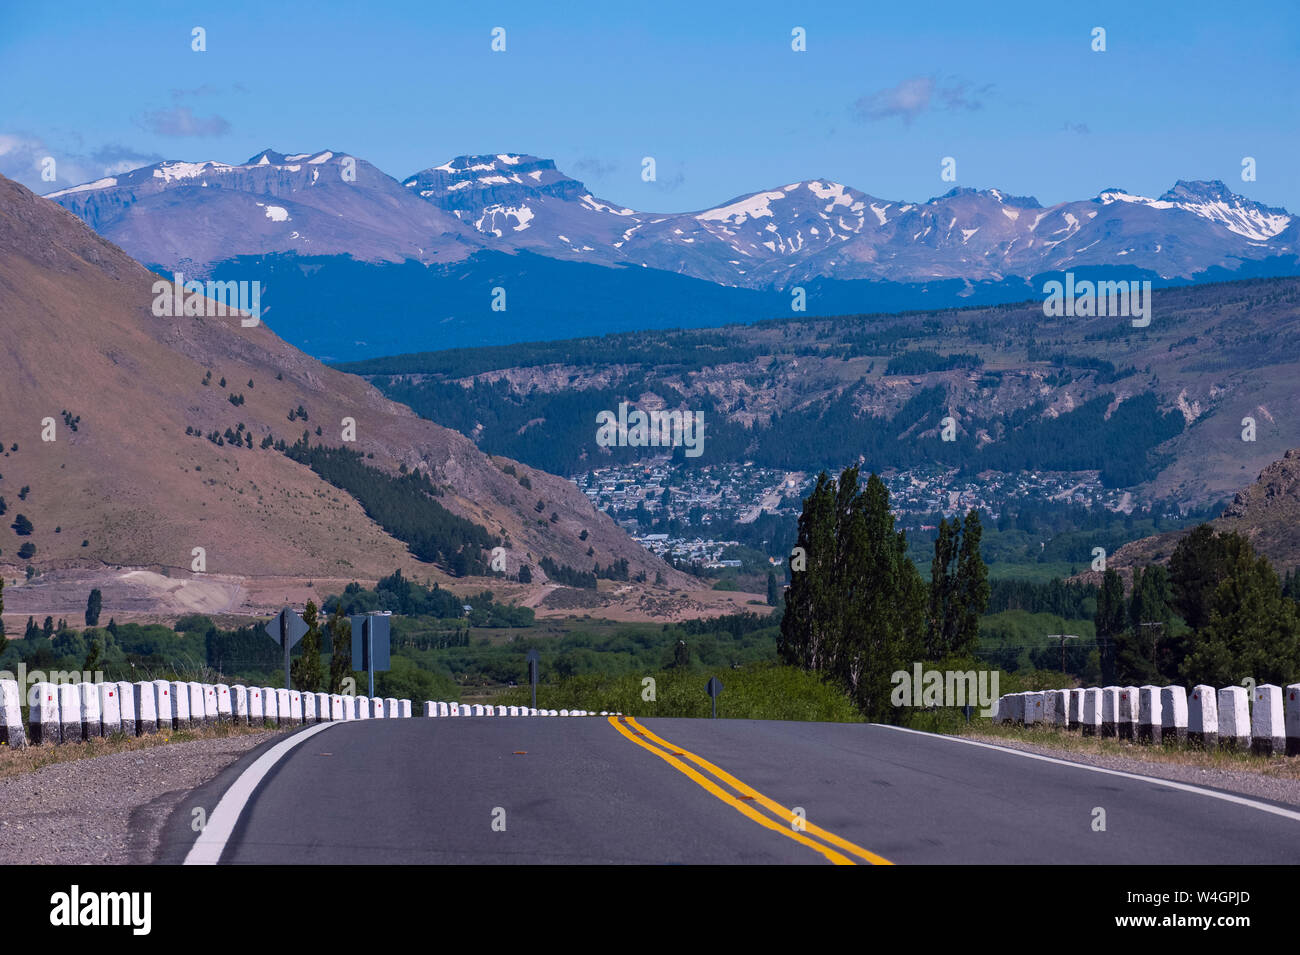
(713, 91)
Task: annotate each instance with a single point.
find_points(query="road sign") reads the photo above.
(370, 641)
(286, 628)
(534, 664)
(289, 620)
(714, 689)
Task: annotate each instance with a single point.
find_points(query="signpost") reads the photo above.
(370, 642)
(714, 689)
(534, 661)
(286, 628)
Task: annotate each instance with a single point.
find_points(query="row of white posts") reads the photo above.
(1202, 716)
(483, 709)
(72, 712)
(69, 712)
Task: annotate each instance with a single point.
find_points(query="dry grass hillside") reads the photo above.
(79, 337)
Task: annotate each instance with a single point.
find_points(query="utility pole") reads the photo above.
(1063, 637)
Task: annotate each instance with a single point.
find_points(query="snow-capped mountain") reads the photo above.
(191, 215)
(525, 202)
(197, 214)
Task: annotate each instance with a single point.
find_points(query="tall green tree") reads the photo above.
(307, 671)
(94, 604)
(1196, 567)
(4, 640)
(959, 588)
(1148, 650)
(855, 608)
(1110, 622)
(340, 628)
(1252, 629)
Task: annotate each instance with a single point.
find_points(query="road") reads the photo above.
(591, 790)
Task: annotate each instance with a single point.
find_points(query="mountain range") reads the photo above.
(191, 215)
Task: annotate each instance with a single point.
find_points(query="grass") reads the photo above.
(14, 762)
(757, 692)
(1282, 767)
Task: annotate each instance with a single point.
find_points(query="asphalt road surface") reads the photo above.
(593, 790)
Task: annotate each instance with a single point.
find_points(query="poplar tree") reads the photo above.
(1109, 621)
(340, 628)
(855, 607)
(307, 670)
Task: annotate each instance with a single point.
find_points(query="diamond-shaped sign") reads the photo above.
(296, 626)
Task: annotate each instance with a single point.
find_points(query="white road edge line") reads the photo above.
(1170, 783)
(212, 840)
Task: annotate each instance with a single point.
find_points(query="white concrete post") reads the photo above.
(180, 705)
(11, 715)
(162, 704)
(270, 705)
(1061, 708)
(69, 713)
(1173, 714)
(146, 707)
(126, 702)
(225, 703)
(513, 710)
(1110, 711)
(376, 708)
(256, 706)
(1127, 712)
(239, 704)
(1076, 709)
(1203, 716)
(430, 709)
(90, 725)
(1091, 723)
(211, 714)
(1292, 714)
(295, 707)
(309, 708)
(110, 708)
(323, 714)
(283, 712)
(1267, 728)
(360, 708)
(336, 707)
(198, 705)
(1149, 716)
(43, 713)
(390, 708)
(404, 709)
(1234, 718)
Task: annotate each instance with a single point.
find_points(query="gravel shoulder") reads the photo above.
(1275, 780)
(108, 809)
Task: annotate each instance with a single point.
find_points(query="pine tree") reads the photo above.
(1252, 631)
(773, 591)
(307, 672)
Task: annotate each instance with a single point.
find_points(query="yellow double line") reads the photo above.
(787, 823)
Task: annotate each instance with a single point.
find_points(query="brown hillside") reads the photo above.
(79, 336)
(1267, 513)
